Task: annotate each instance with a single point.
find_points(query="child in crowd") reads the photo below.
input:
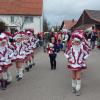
(53, 48)
(5, 61)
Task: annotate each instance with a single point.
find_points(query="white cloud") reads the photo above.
(58, 10)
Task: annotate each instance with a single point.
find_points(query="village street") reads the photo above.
(43, 84)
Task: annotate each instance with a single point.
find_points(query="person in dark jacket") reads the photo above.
(52, 49)
(93, 39)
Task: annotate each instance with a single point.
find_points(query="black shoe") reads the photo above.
(30, 66)
(23, 71)
(20, 78)
(4, 84)
(54, 68)
(34, 64)
(8, 83)
(44, 50)
(27, 69)
(17, 76)
(51, 68)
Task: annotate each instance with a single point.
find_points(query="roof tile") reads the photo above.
(68, 24)
(23, 7)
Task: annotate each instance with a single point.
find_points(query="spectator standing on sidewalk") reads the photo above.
(93, 39)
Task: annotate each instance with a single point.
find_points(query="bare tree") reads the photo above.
(45, 25)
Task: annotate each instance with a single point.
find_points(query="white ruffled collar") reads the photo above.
(77, 48)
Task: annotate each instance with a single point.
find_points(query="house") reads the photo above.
(88, 19)
(22, 14)
(68, 24)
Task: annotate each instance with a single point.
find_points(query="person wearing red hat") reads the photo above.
(29, 51)
(20, 54)
(31, 45)
(76, 56)
(34, 41)
(5, 61)
(11, 46)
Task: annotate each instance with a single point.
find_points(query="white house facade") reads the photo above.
(29, 17)
(23, 22)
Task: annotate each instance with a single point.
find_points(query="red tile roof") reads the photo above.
(68, 24)
(21, 7)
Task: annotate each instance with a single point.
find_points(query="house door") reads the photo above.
(13, 30)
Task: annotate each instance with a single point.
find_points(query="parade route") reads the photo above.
(43, 84)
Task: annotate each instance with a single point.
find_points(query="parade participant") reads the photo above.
(76, 56)
(20, 55)
(56, 35)
(5, 61)
(31, 45)
(84, 41)
(65, 39)
(52, 49)
(11, 47)
(59, 40)
(34, 42)
(29, 50)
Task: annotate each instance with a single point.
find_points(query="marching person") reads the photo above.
(28, 51)
(52, 49)
(5, 61)
(20, 55)
(12, 48)
(76, 56)
(31, 45)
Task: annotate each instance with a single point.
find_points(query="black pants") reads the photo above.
(92, 44)
(53, 61)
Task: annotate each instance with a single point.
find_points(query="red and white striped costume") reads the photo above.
(50, 48)
(32, 41)
(19, 53)
(5, 54)
(77, 55)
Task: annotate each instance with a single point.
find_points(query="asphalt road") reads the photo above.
(43, 84)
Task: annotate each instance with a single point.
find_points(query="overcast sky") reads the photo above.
(57, 10)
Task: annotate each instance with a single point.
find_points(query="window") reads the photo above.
(28, 19)
(12, 19)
